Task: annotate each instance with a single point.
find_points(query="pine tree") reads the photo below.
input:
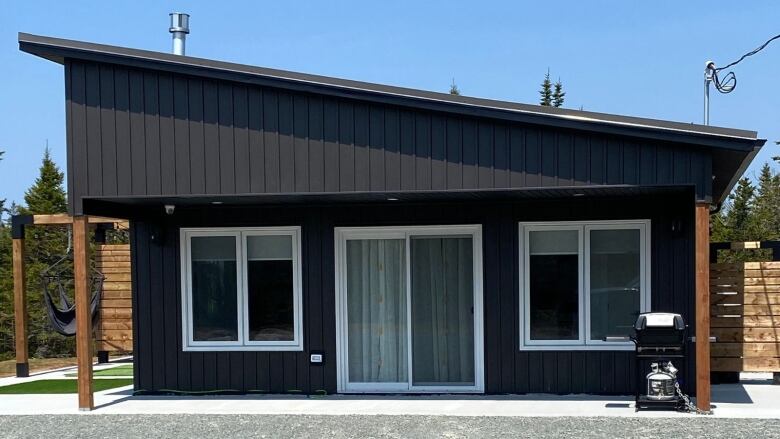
(6, 295)
(47, 194)
(454, 88)
(2, 200)
(6, 287)
(736, 218)
(546, 93)
(558, 94)
(43, 247)
(777, 157)
(766, 211)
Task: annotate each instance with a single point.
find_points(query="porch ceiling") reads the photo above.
(129, 206)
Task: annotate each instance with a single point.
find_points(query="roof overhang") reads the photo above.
(58, 50)
(132, 207)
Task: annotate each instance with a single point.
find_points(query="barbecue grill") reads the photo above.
(659, 339)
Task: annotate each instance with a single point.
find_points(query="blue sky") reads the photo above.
(633, 58)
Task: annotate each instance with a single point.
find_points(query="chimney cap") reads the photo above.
(180, 22)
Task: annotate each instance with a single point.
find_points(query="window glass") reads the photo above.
(442, 311)
(376, 303)
(615, 282)
(214, 288)
(270, 293)
(554, 285)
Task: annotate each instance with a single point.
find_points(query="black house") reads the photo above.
(293, 232)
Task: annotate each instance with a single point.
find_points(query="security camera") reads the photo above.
(169, 208)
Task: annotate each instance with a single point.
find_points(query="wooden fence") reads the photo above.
(745, 314)
(114, 331)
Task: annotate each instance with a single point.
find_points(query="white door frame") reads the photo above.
(341, 235)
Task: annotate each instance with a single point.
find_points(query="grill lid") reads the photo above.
(659, 320)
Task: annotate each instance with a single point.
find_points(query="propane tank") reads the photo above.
(661, 380)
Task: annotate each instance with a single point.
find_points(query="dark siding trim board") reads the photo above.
(161, 363)
(146, 132)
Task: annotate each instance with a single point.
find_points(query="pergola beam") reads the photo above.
(20, 309)
(83, 314)
(702, 312)
(81, 275)
(64, 218)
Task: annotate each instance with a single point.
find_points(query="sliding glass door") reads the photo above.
(442, 296)
(376, 313)
(409, 303)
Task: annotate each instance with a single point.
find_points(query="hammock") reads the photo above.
(63, 316)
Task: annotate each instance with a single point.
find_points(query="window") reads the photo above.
(241, 289)
(581, 282)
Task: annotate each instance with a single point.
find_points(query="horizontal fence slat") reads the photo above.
(117, 286)
(115, 303)
(117, 277)
(114, 247)
(722, 321)
(115, 346)
(748, 349)
(746, 334)
(121, 294)
(767, 364)
(108, 325)
(113, 264)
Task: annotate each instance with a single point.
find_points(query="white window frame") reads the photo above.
(242, 317)
(583, 343)
(341, 236)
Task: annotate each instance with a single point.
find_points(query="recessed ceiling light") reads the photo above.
(578, 194)
(392, 199)
(216, 203)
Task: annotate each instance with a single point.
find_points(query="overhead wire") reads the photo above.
(728, 83)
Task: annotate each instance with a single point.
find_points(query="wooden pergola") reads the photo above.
(84, 346)
(81, 256)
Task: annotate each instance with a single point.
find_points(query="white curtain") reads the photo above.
(442, 311)
(376, 310)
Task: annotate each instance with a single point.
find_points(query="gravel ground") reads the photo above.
(428, 427)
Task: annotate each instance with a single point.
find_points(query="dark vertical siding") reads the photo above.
(94, 147)
(241, 139)
(140, 132)
(157, 295)
(107, 130)
(181, 136)
(167, 140)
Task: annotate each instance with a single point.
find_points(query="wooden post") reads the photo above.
(81, 277)
(702, 237)
(20, 309)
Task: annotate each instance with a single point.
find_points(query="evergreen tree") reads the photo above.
(718, 230)
(454, 88)
(6, 295)
(43, 247)
(558, 94)
(766, 211)
(2, 200)
(777, 157)
(47, 194)
(546, 93)
(737, 217)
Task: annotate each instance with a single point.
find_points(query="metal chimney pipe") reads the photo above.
(180, 27)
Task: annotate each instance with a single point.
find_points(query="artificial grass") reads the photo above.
(125, 370)
(61, 386)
